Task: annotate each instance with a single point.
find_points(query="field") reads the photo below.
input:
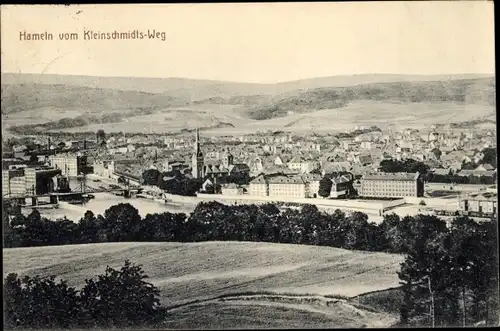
(417, 115)
(235, 285)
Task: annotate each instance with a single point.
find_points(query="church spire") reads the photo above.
(197, 143)
(197, 160)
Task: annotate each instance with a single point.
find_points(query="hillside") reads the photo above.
(217, 88)
(234, 281)
(224, 108)
(58, 97)
(472, 91)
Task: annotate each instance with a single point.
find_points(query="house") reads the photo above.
(213, 184)
(231, 189)
(279, 161)
(442, 171)
(366, 145)
(340, 186)
(331, 167)
(457, 166)
(302, 165)
(313, 181)
(485, 167)
(365, 159)
(259, 186)
(255, 164)
(477, 173)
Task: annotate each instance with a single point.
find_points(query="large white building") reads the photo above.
(288, 186)
(391, 185)
(280, 185)
(259, 187)
(70, 165)
(28, 181)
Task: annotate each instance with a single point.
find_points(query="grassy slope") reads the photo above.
(216, 88)
(228, 109)
(203, 271)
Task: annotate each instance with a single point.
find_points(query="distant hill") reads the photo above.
(27, 96)
(53, 102)
(467, 91)
(197, 89)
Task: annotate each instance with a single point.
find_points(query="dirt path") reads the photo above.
(332, 307)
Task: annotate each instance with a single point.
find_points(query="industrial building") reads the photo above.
(391, 185)
(71, 165)
(22, 181)
(481, 204)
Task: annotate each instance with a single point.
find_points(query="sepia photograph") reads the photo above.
(249, 166)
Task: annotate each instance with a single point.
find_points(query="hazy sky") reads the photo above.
(255, 42)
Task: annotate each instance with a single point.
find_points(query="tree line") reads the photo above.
(408, 165)
(116, 299)
(448, 276)
(173, 182)
(457, 179)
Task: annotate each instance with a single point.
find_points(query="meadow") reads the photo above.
(218, 277)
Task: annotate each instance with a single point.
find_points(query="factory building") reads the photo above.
(22, 181)
(69, 164)
(480, 204)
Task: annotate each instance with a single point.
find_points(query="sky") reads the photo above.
(263, 43)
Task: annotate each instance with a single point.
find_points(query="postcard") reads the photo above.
(249, 165)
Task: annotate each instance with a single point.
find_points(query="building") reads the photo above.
(341, 186)
(28, 181)
(61, 184)
(313, 183)
(70, 165)
(226, 167)
(288, 186)
(231, 189)
(259, 187)
(301, 165)
(104, 168)
(197, 159)
(391, 185)
(482, 204)
(280, 185)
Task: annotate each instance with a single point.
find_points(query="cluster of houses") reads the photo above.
(288, 165)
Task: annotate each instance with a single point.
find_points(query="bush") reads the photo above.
(118, 298)
(422, 203)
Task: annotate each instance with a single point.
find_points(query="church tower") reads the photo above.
(197, 160)
(227, 158)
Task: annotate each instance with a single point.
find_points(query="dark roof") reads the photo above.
(397, 176)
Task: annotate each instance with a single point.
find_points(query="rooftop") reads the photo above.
(488, 196)
(397, 176)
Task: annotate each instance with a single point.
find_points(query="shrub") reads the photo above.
(118, 298)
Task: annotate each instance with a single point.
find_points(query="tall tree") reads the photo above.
(325, 187)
